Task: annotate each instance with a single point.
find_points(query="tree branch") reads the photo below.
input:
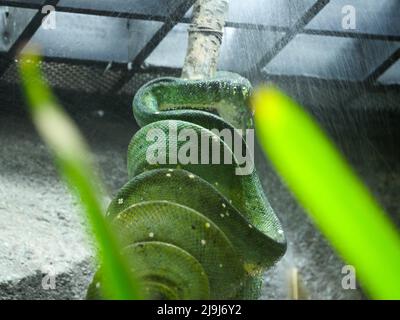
(205, 38)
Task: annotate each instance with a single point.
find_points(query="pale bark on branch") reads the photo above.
(205, 38)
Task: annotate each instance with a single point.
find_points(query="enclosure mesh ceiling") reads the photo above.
(87, 79)
(112, 46)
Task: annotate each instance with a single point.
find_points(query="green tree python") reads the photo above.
(193, 231)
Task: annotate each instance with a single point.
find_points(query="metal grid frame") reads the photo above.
(178, 16)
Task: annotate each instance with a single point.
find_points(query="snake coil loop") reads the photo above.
(194, 231)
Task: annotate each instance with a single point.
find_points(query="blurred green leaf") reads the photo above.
(75, 163)
(333, 195)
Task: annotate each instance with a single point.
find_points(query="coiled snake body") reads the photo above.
(194, 231)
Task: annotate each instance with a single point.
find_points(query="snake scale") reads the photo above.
(193, 231)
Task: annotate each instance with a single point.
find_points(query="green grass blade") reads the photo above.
(75, 164)
(332, 194)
